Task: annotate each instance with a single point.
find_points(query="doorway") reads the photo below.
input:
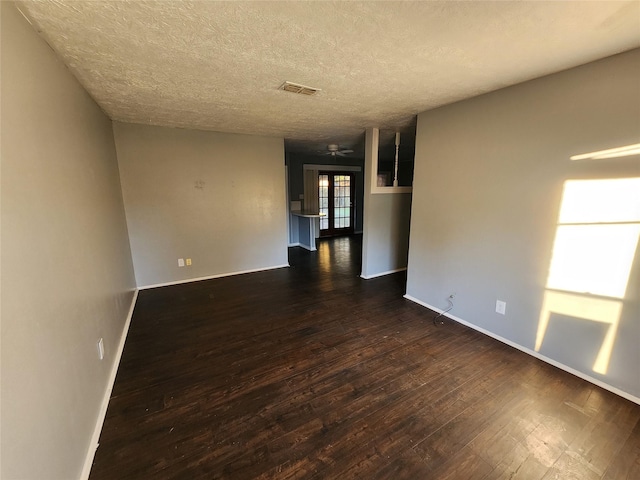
(336, 192)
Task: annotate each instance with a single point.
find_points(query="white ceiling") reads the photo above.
(218, 65)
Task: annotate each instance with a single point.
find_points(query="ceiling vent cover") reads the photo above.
(297, 88)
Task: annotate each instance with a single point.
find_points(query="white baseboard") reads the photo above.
(533, 353)
(307, 247)
(381, 274)
(297, 244)
(210, 277)
(93, 446)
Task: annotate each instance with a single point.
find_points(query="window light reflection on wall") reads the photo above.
(610, 153)
(593, 253)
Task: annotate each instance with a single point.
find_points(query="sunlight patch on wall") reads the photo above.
(593, 259)
(610, 153)
(587, 308)
(593, 252)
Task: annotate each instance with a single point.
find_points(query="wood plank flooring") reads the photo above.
(310, 372)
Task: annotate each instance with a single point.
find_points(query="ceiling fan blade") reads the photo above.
(340, 154)
(346, 151)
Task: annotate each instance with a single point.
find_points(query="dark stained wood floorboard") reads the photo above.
(310, 372)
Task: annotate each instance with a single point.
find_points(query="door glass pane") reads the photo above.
(323, 197)
(342, 201)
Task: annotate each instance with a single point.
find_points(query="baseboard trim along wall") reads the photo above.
(297, 244)
(210, 277)
(533, 353)
(381, 274)
(93, 446)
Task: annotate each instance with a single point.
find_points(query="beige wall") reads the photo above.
(489, 179)
(216, 198)
(385, 239)
(67, 276)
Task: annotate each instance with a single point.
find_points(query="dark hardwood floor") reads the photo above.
(311, 372)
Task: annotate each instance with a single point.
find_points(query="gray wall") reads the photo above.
(387, 217)
(488, 186)
(386, 234)
(67, 276)
(216, 198)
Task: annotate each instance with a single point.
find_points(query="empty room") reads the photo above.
(320, 240)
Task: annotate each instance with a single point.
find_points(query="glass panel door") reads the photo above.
(341, 201)
(336, 193)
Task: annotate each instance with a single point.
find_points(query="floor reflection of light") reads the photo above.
(325, 264)
(324, 255)
(593, 252)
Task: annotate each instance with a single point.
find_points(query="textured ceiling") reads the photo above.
(218, 65)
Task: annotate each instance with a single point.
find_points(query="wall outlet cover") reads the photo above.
(501, 307)
(181, 262)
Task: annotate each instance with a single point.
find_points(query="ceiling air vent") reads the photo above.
(297, 88)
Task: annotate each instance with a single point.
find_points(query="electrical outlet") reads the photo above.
(181, 262)
(501, 307)
(100, 349)
(188, 262)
